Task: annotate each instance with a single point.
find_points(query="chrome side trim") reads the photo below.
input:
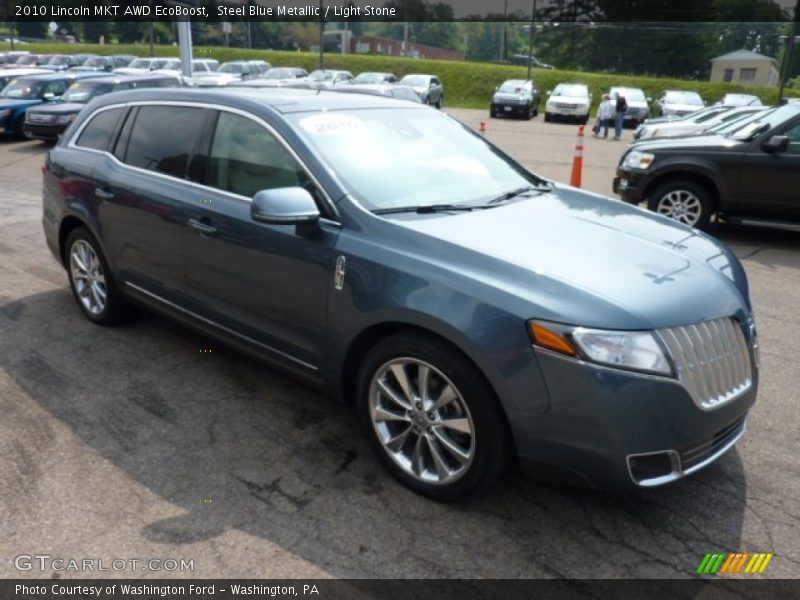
(221, 327)
(679, 473)
(72, 145)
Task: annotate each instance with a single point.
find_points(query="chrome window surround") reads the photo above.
(71, 143)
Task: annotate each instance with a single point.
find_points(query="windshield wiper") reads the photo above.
(518, 192)
(429, 208)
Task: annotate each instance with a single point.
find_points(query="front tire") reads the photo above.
(431, 418)
(685, 201)
(548, 117)
(91, 281)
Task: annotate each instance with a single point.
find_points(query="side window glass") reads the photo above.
(164, 138)
(97, 134)
(793, 133)
(245, 158)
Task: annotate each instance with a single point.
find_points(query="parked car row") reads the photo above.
(740, 164)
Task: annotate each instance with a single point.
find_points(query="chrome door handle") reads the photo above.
(203, 228)
(103, 194)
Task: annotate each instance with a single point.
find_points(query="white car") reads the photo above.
(680, 102)
(694, 126)
(638, 103)
(568, 101)
(141, 66)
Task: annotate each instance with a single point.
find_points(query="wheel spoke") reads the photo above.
(381, 415)
(98, 304)
(442, 469)
(423, 377)
(391, 395)
(76, 260)
(446, 396)
(458, 424)
(458, 453)
(417, 465)
(400, 375)
(395, 444)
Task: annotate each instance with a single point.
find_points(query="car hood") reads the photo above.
(60, 108)
(568, 100)
(589, 260)
(691, 144)
(500, 96)
(637, 104)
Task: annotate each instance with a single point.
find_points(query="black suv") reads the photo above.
(749, 176)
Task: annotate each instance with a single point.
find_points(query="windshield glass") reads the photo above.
(83, 92)
(415, 80)
(321, 75)
(391, 158)
(231, 68)
(630, 94)
(28, 59)
(171, 64)
(95, 62)
(58, 60)
(140, 63)
(22, 90)
(764, 122)
(571, 90)
(279, 74)
(691, 98)
(369, 78)
(513, 86)
(735, 124)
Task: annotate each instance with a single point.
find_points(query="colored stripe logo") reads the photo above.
(736, 562)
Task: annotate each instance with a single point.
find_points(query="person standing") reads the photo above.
(606, 113)
(621, 109)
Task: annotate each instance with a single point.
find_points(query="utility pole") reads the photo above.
(504, 32)
(790, 41)
(321, 37)
(530, 38)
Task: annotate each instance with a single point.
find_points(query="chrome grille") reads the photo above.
(712, 360)
(34, 117)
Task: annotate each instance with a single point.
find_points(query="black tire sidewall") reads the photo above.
(690, 186)
(492, 437)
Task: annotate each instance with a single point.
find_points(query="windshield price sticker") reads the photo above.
(332, 125)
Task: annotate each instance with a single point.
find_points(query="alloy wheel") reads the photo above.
(88, 277)
(681, 205)
(422, 421)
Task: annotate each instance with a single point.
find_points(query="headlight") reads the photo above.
(66, 118)
(638, 160)
(631, 350)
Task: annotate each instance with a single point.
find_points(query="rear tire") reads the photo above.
(431, 418)
(91, 280)
(684, 201)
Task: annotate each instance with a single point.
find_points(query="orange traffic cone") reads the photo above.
(482, 128)
(577, 162)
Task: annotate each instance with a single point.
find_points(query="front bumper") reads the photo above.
(568, 113)
(506, 108)
(602, 420)
(630, 185)
(42, 131)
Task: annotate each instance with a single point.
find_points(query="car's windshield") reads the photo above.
(140, 63)
(171, 64)
(321, 75)
(690, 98)
(369, 78)
(279, 73)
(83, 92)
(392, 157)
(415, 80)
(764, 122)
(571, 90)
(513, 86)
(95, 62)
(732, 125)
(741, 100)
(58, 60)
(22, 90)
(630, 94)
(231, 68)
(28, 59)
(699, 117)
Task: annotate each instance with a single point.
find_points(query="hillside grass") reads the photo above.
(467, 84)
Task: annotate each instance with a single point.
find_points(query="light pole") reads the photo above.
(504, 32)
(790, 41)
(321, 37)
(530, 39)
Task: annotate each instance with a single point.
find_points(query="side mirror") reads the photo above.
(777, 143)
(285, 206)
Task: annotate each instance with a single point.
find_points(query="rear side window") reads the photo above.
(164, 138)
(97, 134)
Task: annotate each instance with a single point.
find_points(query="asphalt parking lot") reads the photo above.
(149, 441)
